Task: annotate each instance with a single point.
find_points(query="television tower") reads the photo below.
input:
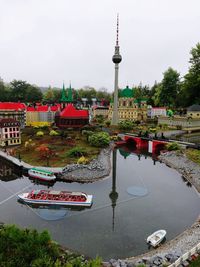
(117, 58)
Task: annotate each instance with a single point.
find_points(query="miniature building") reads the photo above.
(193, 111)
(13, 110)
(9, 132)
(129, 107)
(40, 115)
(70, 117)
(156, 111)
(66, 96)
(100, 110)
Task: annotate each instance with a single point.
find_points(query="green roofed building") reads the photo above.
(130, 107)
(66, 96)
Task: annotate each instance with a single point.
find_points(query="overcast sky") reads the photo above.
(47, 41)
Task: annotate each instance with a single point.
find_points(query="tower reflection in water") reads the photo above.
(113, 194)
(125, 151)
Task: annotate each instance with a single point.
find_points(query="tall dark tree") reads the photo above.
(4, 92)
(18, 90)
(169, 89)
(33, 94)
(191, 84)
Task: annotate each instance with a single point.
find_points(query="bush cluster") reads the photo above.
(100, 139)
(28, 248)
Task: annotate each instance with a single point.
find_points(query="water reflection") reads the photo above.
(53, 212)
(113, 194)
(48, 184)
(8, 172)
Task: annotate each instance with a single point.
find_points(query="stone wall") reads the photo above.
(179, 121)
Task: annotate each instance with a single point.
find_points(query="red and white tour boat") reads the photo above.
(51, 197)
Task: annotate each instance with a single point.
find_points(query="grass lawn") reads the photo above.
(59, 146)
(195, 263)
(194, 155)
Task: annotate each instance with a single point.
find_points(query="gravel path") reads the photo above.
(95, 170)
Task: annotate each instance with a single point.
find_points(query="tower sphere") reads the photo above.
(117, 59)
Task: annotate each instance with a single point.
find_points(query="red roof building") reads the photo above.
(13, 110)
(12, 106)
(70, 117)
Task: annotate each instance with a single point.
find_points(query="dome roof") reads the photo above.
(194, 108)
(127, 92)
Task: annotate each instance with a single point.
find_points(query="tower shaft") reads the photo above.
(115, 117)
(116, 60)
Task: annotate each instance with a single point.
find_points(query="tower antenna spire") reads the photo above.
(117, 39)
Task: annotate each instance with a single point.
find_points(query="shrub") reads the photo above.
(53, 133)
(89, 127)
(173, 146)
(152, 130)
(77, 152)
(87, 133)
(100, 139)
(99, 118)
(82, 160)
(114, 138)
(39, 133)
(126, 125)
(22, 247)
(107, 123)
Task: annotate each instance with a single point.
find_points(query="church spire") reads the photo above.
(63, 94)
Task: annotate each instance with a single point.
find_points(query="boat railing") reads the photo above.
(191, 254)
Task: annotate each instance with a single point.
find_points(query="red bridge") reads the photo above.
(153, 145)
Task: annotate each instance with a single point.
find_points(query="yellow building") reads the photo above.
(129, 107)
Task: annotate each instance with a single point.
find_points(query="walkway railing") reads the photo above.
(187, 256)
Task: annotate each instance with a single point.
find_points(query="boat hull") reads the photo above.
(41, 176)
(87, 203)
(156, 238)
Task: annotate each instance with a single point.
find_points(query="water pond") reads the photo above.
(140, 196)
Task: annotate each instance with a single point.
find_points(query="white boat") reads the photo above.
(155, 238)
(52, 197)
(41, 174)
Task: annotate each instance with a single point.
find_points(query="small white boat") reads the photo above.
(41, 174)
(155, 238)
(51, 197)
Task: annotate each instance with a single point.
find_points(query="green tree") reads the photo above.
(126, 125)
(191, 84)
(33, 94)
(103, 94)
(52, 95)
(4, 92)
(18, 90)
(167, 92)
(87, 92)
(48, 95)
(141, 91)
